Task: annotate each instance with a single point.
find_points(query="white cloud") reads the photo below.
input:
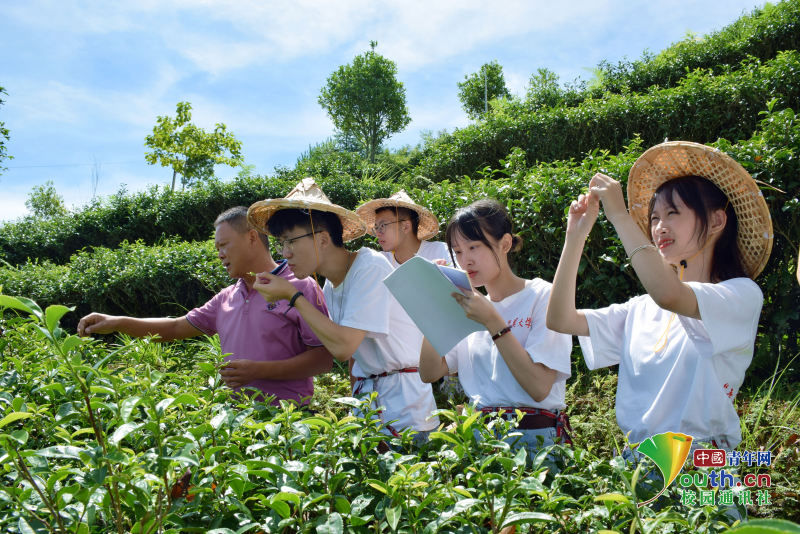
(218, 36)
(516, 82)
(12, 205)
(74, 103)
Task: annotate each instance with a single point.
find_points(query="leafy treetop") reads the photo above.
(188, 149)
(364, 99)
(44, 202)
(479, 88)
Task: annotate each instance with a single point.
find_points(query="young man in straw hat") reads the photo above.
(271, 348)
(697, 234)
(402, 228)
(365, 322)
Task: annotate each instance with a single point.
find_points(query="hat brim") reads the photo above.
(428, 223)
(260, 212)
(675, 159)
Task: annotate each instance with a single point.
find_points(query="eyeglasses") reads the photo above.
(289, 243)
(381, 227)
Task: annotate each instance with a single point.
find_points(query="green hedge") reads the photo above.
(144, 438)
(134, 279)
(173, 277)
(761, 34)
(151, 215)
(702, 108)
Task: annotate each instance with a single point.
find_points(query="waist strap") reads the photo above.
(536, 418)
(359, 385)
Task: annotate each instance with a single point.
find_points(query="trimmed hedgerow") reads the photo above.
(157, 213)
(702, 107)
(144, 437)
(761, 34)
(134, 279)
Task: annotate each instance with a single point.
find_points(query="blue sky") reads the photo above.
(86, 80)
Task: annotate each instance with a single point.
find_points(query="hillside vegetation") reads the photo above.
(121, 435)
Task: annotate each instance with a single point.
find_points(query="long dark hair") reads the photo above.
(703, 197)
(481, 218)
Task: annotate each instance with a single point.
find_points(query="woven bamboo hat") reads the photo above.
(675, 159)
(306, 195)
(428, 223)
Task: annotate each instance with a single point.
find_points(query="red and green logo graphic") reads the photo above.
(668, 451)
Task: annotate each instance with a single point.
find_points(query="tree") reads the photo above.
(44, 202)
(3, 137)
(479, 88)
(365, 100)
(544, 90)
(190, 150)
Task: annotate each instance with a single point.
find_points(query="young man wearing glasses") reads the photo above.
(403, 228)
(365, 325)
(271, 347)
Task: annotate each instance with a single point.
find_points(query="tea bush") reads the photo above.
(761, 34)
(144, 438)
(702, 107)
(157, 213)
(133, 279)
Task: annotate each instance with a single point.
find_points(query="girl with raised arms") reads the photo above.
(697, 233)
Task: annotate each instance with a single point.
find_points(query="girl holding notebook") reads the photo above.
(516, 363)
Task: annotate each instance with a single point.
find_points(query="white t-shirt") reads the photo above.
(430, 250)
(483, 372)
(392, 341)
(689, 385)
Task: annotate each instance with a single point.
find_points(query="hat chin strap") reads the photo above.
(684, 264)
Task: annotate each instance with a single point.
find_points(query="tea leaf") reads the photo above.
(122, 431)
(14, 416)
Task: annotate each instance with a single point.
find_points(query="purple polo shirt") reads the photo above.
(250, 328)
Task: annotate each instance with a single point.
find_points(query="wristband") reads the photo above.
(501, 333)
(294, 298)
(640, 247)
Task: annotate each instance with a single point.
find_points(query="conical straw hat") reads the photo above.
(306, 195)
(675, 159)
(428, 223)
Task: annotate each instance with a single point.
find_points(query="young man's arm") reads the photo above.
(165, 328)
(341, 341)
(313, 361)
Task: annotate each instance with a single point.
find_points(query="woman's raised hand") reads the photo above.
(582, 215)
(609, 192)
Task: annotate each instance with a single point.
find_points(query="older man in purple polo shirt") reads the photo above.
(271, 347)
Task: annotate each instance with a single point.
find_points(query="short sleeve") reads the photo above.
(545, 346)
(451, 358)
(366, 299)
(605, 343)
(204, 318)
(729, 312)
(313, 294)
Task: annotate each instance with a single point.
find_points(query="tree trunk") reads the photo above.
(174, 173)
